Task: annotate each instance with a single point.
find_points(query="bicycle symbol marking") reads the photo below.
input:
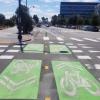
(72, 80)
(22, 67)
(13, 86)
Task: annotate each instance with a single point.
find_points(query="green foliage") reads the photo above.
(95, 21)
(2, 19)
(36, 19)
(26, 19)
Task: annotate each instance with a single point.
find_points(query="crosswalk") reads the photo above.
(72, 39)
(76, 45)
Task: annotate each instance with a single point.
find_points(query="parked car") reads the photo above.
(90, 28)
(38, 25)
(73, 27)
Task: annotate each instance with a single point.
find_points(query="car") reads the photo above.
(73, 27)
(38, 25)
(90, 28)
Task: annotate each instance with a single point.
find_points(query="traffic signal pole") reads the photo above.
(19, 27)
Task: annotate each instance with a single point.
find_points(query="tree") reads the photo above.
(26, 19)
(36, 19)
(2, 19)
(54, 20)
(61, 20)
(72, 20)
(95, 21)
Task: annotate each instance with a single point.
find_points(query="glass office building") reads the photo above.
(85, 9)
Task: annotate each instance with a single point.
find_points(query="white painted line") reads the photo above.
(93, 40)
(13, 51)
(91, 51)
(61, 42)
(72, 46)
(6, 57)
(86, 47)
(97, 66)
(84, 57)
(2, 50)
(16, 46)
(69, 44)
(76, 39)
(88, 66)
(59, 39)
(45, 38)
(3, 46)
(51, 42)
(81, 44)
(98, 57)
(99, 79)
(77, 51)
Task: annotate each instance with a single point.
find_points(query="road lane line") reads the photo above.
(13, 51)
(3, 46)
(6, 57)
(59, 39)
(76, 39)
(77, 51)
(93, 40)
(46, 38)
(84, 57)
(92, 51)
(97, 66)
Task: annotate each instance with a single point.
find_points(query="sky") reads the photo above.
(46, 8)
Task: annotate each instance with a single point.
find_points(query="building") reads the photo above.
(84, 9)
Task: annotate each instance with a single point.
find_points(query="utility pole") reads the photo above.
(26, 3)
(19, 27)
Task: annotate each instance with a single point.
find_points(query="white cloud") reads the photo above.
(8, 1)
(48, 13)
(8, 14)
(48, 1)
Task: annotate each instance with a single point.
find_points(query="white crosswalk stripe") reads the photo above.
(16, 46)
(13, 51)
(93, 40)
(98, 57)
(88, 66)
(76, 39)
(69, 44)
(6, 57)
(72, 47)
(3, 46)
(92, 51)
(59, 39)
(81, 44)
(97, 66)
(2, 50)
(45, 38)
(77, 51)
(84, 57)
(86, 47)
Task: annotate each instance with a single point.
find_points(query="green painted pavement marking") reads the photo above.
(74, 82)
(36, 48)
(59, 49)
(20, 80)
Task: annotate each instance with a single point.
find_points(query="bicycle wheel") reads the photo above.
(92, 88)
(68, 87)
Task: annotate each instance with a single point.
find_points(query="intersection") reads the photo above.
(50, 47)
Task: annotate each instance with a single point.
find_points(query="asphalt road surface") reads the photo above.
(84, 47)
